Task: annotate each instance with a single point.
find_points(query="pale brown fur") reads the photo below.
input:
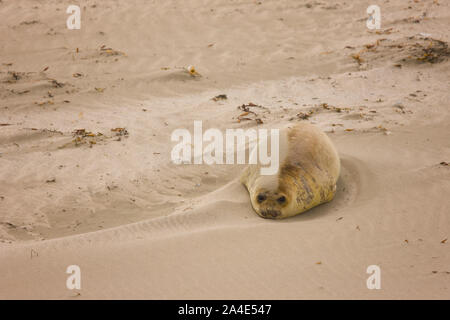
(307, 176)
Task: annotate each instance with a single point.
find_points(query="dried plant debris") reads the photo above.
(416, 49)
(305, 115)
(9, 225)
(30, 22)
(326, 106)
(357, 58)
(86, 137)
(120, 131)
(220, 97)
(83, 137)
(192, 71)
(249, 115)
(384, 130)
(105, 51)
(82, 133)
(14, 76)
(56, 84)
(436, 51)
(246, 107)
(385, 31)
(317, 109)
(49, 131)
(20, 92)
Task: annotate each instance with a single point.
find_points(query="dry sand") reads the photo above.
(141, 227)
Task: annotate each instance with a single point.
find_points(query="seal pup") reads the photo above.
(308, 170)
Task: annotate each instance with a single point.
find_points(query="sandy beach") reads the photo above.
(86, 176)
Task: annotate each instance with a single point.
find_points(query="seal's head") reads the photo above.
(271, 204)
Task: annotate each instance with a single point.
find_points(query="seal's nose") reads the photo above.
(270, 214)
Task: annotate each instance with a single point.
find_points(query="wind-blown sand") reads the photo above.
(140, 226)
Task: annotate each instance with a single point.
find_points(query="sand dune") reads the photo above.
(86, 176)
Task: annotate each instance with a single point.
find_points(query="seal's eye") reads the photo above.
(261, 198)
(281, 199)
